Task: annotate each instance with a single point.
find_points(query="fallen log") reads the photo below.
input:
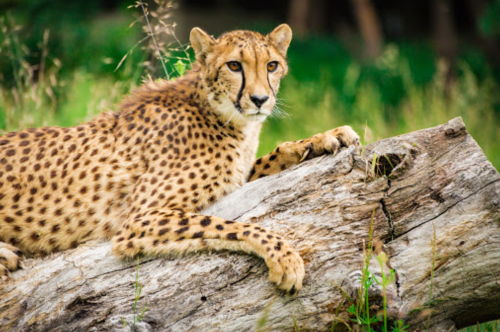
(433, 199)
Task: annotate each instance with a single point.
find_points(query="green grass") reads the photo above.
(486, 327)
(402, 91)
(138, 313)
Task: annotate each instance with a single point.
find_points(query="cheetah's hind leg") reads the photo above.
(10, 260)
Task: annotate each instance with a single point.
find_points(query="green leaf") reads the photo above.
(180, 67)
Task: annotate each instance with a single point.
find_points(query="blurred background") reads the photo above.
(386, 67)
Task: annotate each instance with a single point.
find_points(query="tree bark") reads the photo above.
(298, 16)
(430, 186)
(445, 37)
(369, 27)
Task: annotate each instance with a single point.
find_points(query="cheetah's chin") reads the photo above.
(256, 117)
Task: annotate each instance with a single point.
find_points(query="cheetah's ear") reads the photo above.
(281, 38)
(202, 43)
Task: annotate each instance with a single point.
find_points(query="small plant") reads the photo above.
(158, 31)
(152, 34)
(138, 313)
(262, 321)
(399, 326)
(374, 171)
(337, 320)
(295, 327)
(361, 309)
(385, 281)
(374, 165)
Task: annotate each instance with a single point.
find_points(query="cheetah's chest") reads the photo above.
(193, 173)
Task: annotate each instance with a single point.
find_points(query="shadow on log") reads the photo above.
(433, 181)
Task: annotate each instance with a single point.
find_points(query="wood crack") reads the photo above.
(447, 209)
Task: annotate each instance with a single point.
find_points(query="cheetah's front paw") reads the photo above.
(10, 260)
(286, 267)
(346, 135)
(328, 142)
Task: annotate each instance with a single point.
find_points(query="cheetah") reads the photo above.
(141, 175)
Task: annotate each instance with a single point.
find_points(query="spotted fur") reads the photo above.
(139, 176)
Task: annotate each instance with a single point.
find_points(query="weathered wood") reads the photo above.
(438, 180)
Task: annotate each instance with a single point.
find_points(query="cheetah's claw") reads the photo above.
(327, 143)
(10, 260)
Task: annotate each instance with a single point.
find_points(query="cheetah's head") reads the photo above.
(242, 71)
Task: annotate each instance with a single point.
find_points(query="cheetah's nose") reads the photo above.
(258, 101)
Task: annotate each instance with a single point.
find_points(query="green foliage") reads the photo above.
(404, 90)
(385, 281)
(360, 309)
(180, 67)
(26, 100)
(138, 313)
(80, 37)
(486, 327)
(362, 318)
(490, 21)
(399, 326)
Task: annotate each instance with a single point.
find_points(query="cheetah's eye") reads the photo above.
(234, 65)
(272, 66)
